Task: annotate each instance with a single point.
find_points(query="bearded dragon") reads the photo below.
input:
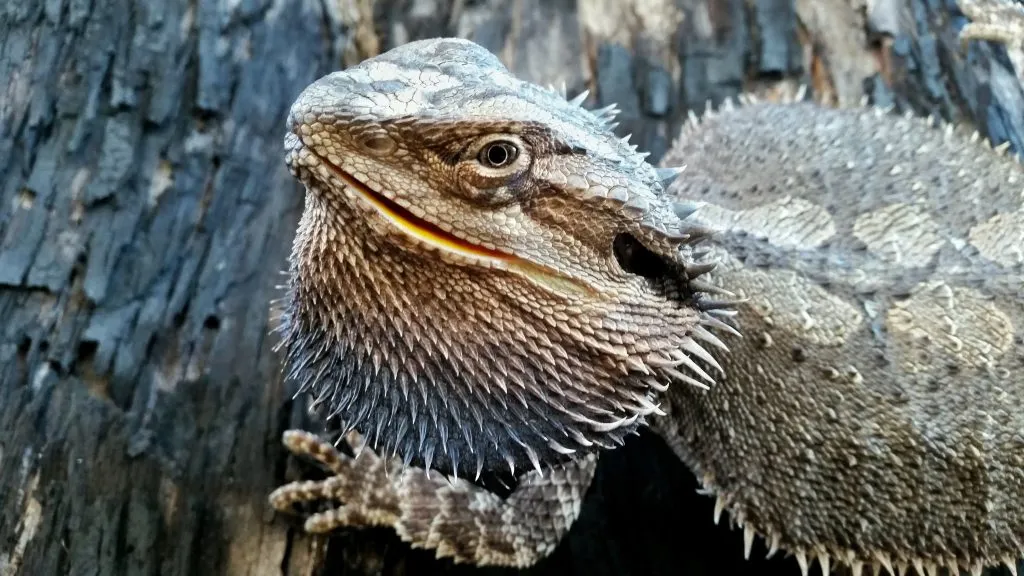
(822, 315)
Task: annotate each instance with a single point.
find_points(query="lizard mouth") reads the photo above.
(432, 235)
(418, 228)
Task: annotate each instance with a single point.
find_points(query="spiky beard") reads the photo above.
(466, 370)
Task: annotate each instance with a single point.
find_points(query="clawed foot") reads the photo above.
(994, 20)
(366, 485)
(454, 517)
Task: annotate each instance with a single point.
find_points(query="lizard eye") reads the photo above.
(498, 154)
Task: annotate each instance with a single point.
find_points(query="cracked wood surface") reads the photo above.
(147, 212)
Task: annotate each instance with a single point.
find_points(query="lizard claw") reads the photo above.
(366, 484)
(993, 20)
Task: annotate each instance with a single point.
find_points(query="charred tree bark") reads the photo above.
(146, 214)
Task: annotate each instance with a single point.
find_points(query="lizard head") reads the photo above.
(483, 275)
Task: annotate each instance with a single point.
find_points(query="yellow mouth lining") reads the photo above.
(433, 235)
(419, 228)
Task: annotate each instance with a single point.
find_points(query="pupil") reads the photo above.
(497, 155)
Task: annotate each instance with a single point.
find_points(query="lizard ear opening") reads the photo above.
(635, 258)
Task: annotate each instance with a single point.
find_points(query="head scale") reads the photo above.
(484, 275)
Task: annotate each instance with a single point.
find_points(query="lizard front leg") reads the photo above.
(993, 20)
(453, 516)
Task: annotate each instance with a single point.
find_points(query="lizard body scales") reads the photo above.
(485, 277)
(880, 372)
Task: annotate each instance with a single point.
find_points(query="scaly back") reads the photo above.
(872, 413)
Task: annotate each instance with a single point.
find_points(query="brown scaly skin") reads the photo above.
(871, 415)
(445, 300)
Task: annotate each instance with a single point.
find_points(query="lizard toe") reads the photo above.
(992, 20)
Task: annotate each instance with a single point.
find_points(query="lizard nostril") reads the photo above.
(635, 258)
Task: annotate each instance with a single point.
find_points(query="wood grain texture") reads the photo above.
(147, 212)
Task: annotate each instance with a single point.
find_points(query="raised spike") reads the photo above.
(559, 448)
(697, 269)
(696, 369)
(667, 175)
(976, 569)
(428, 458)
(648, 407)
(801, 559)
(1010, 565)
(702, 333)
(685, 209)
(637, 365)
(748, 541)
(533, 458)
(773, 545)
(625, 139)
(1002, 148)
(825, 562)
(697, 234)
(677, 236)
(580, 438)
(613, 425)
(712, 322)
(691, 346)
(655, 385)
(580, 98)
(659, 360)
(685, 379)
(607, 111)
(701, 286)
(883, 559)
(801, 93)
(719, 508)
(710, 304)
(856, 568)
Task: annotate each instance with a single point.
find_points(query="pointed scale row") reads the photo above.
(858, 567)
(694, 120)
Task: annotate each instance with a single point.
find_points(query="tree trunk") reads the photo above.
(147, 214)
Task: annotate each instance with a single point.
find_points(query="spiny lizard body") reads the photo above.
(485, 277)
